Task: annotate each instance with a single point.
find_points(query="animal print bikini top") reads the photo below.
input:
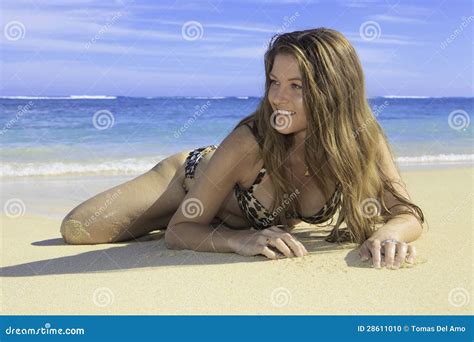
(260, 218)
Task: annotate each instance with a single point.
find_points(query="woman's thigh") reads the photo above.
(131, 209)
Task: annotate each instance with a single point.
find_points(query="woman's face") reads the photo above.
(286, 95)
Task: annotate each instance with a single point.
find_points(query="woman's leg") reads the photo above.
(131, 209)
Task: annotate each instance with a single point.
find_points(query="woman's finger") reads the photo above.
(374, 247)
(364, 252)
(411, 254)
(402, 249)
(269, 253)
(281, 246)
(389, 251)
(296, 246)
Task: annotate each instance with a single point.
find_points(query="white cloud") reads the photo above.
(387, 39)
(395, 19)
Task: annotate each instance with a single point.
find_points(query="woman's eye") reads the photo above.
(293, 85)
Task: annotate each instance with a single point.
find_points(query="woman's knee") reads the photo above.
(75, 231)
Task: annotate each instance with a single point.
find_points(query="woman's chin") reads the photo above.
(284, 130)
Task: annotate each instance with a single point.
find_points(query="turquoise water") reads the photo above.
(123, 135)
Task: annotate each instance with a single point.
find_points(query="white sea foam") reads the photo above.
(437, 159)
(131, 166)
(113, 167)
(406, 97)
(208, 97)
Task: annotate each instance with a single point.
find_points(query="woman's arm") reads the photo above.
(202, 237)
(391, 239)
(190, 226)
(402, 227)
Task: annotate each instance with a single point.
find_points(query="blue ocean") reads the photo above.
(50, 136)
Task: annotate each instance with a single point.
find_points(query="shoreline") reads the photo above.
(71, 190)
(136, 166)
(409, 167)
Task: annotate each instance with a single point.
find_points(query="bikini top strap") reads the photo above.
(259, 178)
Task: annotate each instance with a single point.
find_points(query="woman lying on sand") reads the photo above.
(312, 147)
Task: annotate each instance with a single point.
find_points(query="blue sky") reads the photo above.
(215, 48)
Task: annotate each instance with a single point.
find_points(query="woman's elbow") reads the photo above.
(172, 240)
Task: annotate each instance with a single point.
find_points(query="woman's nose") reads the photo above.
(280, 97)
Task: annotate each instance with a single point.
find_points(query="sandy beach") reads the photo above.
(40, 274)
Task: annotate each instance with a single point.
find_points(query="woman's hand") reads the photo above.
(272, 242)
(387, 250)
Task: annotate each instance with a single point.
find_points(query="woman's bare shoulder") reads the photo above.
(243, 139)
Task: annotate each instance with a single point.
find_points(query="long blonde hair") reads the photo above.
(342, 134)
